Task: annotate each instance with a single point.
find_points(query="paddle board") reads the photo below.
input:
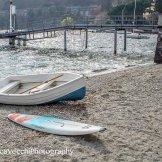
(54, 124)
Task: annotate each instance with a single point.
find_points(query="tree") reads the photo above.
(159, 6)
(67, 21)
(106, 4)
(141, 7)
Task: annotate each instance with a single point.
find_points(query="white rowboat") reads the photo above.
(42, 88)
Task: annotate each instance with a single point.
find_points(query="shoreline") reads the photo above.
(103, 72)
(47, 56)
(127, 102)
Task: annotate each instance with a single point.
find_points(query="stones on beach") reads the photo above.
(74, 160)
(65, 156)
(83, 158)
(105, 95)
(133, 125)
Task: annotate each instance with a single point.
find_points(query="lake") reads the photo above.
(47, 55)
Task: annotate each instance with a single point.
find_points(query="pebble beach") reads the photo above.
(128, 103)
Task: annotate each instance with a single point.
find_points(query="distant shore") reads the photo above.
(128, 103)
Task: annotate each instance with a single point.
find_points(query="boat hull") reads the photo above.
(73, 96)
(71, 91)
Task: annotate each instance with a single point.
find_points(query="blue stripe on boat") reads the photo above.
(73, 96)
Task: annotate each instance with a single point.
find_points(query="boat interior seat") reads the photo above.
(9, 86)
(43, 86)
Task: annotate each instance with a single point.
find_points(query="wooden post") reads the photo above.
(12, 42)
(43, 34)
(125, 40)
(24, 40)
(86, 41)
(11, 27)
(18, 42)
(29, 36)
(65, 41)
(160, 22)
(115, 42)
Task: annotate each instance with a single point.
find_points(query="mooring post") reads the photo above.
(86, 41)
(125, 40)
(18, 42)
(12, 42)
(29, 36)
(24, 40)
(115, 41)
(43, 34)
(11, 21)
(65, 41)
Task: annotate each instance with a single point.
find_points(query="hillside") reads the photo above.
(41, 3)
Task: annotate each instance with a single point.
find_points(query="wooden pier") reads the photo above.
(21, 37)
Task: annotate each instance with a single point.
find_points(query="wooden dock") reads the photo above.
(50, 32)
(27, 30)
(74, 27)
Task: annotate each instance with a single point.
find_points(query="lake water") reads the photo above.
(47, 55)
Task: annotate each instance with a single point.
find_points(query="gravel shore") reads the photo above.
(128, 103)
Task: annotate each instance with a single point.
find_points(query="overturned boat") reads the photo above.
(42, 89)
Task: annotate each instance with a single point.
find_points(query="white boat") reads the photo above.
(137, 36)
(42, 88)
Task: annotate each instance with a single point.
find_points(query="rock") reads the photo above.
(65, 156)
(83, 158)
(74, 160)
(158, 56)
(158, 53)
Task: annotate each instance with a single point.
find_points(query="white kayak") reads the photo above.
(54, 125)
(42, 88)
